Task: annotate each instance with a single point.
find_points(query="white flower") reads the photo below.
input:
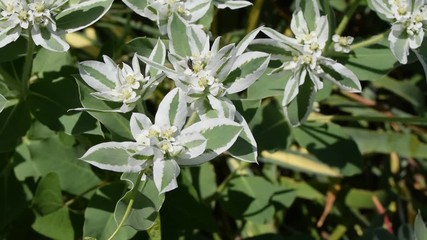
(308, 65)
(342, 43)
(409, 21)
(161, 11)
(124, 84)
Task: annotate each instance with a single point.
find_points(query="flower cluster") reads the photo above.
(47, 21)
(125, 84)
(18, 15)
(304, 56)
(409, 21)
(342, 43)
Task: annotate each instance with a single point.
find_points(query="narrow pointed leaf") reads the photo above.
(172, 110)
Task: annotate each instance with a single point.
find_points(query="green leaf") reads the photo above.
(81, 15)
(404, 89)
(48, 61)
(254, 198)
(115, 122)
(13, 50)
(183, 211)
(405, 144)
(51, 155)
(360, 198)
(137, 6)
(52, 96)
(14, 123)
(406, 232)
(270, 129)
(269, 85)
(99, 215)
(300, 162)
(420, 228)
(63, 229)
(370, 63)
(48, 197)
(302, 189)
(146, 205)
(3, 102)
(155, 232)
(329, 143)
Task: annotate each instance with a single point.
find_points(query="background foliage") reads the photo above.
(356, 169)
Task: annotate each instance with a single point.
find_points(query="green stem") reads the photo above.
(129, 207)
(411, 120)
(254, 15)
(348, 15)
(370, 41)
(226, 181)
(26, 73)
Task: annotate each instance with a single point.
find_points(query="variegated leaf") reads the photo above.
(98, 75)
(172, 110)
(137, 6)
(220, 133)
(113, 156)
(165, 172)
(81, 15)
(246, 70)
(158, 55)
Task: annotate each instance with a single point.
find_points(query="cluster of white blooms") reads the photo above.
(200, 79)
(126, 84)
(35, 14)
(409, 20)
(160, 137)
(342, 43)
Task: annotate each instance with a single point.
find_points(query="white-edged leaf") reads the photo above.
(340, 75)
(244, 43)
(169, 72)
(245, 147)
(276, 49)
(113, 156)
(158, 55)
(232, 4)
(49, 39)
(179, 40)
(172, 109)
(165, 172)
(194, 144)
(399, 43)
(3, 102)
(221, 133)
(9, 35)
(297, 109)
(81, 15)
(290, 42)
(382, 8)
(222, 107)
(139, 122)
(137, 6)
(98, 75)
(246, 70)
(198, 8)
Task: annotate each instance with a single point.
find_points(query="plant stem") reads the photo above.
(348, 15)
(26, 73)
(129, 207)
(224, 184)
(254, 15)
(370, 41)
